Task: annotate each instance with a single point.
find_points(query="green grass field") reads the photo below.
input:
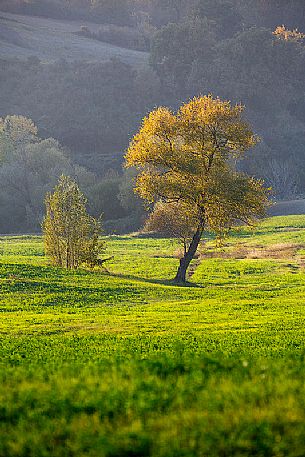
(123, 363)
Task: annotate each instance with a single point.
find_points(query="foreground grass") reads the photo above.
(126, 364)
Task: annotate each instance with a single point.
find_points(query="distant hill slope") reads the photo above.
(288, 207)
(50, 40)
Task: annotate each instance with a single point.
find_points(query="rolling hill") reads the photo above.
(50, 40)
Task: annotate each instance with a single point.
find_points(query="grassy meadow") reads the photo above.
(122, 363)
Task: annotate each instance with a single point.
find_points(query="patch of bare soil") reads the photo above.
(274, 251)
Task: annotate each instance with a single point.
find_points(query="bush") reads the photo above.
(71, 235)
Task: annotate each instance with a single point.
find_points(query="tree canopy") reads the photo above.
(188, 158)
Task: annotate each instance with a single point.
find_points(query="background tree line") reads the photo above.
(266, 13)
(224, 47)
(31, 166)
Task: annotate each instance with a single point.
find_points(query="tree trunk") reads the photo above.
(188, 257)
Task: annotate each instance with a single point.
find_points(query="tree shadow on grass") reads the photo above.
(163, 282)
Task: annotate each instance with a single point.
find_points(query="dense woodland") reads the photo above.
(234, 49)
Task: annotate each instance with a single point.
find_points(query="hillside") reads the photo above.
(50, 40)
(91, 96)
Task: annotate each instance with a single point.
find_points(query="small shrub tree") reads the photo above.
(174, 219)
(71, 235)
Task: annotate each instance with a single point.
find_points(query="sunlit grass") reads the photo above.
(124, 363)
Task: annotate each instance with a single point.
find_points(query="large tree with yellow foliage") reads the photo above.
(188, 159)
